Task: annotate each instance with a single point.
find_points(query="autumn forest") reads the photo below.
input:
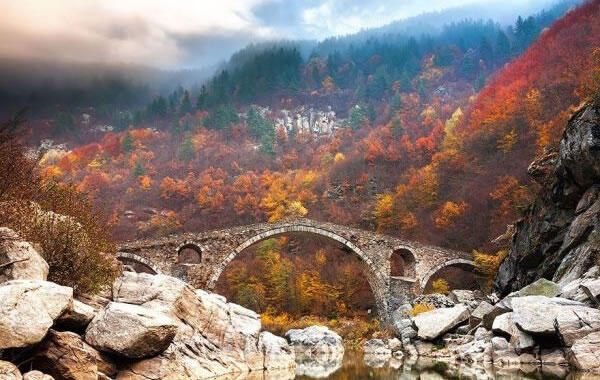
(424, 137)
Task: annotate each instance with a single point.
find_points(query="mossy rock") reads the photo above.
(541, 287)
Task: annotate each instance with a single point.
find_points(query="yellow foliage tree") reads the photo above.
(445, 215)
(488, 264)
(384, 211)
(440, 286)
(145, 182)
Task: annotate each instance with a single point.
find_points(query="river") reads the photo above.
(354, 366)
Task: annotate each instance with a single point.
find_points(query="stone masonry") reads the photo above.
(217, 248)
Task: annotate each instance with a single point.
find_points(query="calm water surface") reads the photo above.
(354, 366)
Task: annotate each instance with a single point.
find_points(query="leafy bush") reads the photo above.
(440, 286)
(72, 236)
(421, 308)
(488, 265)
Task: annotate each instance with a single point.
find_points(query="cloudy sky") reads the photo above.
(186, 33)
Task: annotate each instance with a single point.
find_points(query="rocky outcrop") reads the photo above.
(559, 236)
(153, 327)
(19, 260)
(28, 309)
(315, 340)
(433, 324)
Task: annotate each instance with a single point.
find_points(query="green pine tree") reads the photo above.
(127, 143)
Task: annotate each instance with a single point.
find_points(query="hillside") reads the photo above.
(373, 135)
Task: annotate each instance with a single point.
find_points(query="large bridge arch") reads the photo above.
(439, 267)
(378, 283)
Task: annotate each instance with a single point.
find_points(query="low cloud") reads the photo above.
(185, 33)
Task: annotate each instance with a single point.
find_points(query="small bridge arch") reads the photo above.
(439, 267)
(377, 283)
(128, 257)
(190, 252)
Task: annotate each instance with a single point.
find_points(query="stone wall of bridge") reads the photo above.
(218, 248)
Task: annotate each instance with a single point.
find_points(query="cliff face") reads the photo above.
(559, 238)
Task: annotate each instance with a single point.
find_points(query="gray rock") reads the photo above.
(394, 344)
(27, 262)
(585, 353)
(541, 287)
(432, 324)
(28, 309)
(480, 311)
(130, 331)
(77, 318)
(503, 325)
(570, 320)
(434, 300)
(315, 340)
(9, 371)
(462, 296)
(586, 290)
(522, 341)
(277, 352)
(503, 354)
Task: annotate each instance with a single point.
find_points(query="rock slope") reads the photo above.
(559, 237)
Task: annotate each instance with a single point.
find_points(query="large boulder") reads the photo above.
(434, 323)
(65, 355)
(130, 331)
(276, 351)
(27, 264)
(563, 318)
(315, 340)
(585, 353)
(28, 309)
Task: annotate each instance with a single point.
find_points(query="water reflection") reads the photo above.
(318, 366)
(354, 366)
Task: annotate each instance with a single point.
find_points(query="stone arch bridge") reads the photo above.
(397, 270)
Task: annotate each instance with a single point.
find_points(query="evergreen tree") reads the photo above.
(186, 104)
(127, 143)
(186, 150)
(138, 170)
(258, 126)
